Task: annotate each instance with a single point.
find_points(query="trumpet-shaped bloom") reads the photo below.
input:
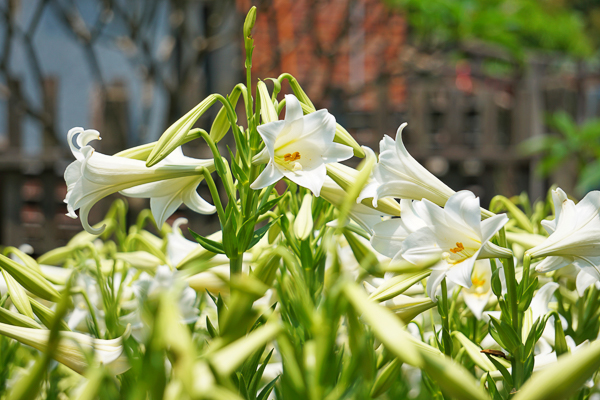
(167, 195)
(477, 296)
(298, 148)
(94, 176)
(574, 235)
(398, 174)
(72, 347)
(455, 233)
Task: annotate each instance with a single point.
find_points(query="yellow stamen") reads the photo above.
(291, 156)
(477, 281)
(459, 247)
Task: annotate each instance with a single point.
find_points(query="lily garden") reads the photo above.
(324, 282)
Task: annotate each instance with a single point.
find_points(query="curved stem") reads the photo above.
(215, 195)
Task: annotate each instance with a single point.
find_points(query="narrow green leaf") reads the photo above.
(503, 371)
(474, 352)
(386, 326)
(260, 232)
(253, 388)
(264, 394)
(208, 244)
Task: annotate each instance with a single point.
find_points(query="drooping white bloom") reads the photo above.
(93, 176)
(574, 235)
(167, 195)
(398, 174)
(298, 148)
(454, 233)
(477, 296)
(72, 347)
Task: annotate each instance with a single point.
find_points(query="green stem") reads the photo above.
(511, 284)
(235, 264)
(526, 267)
(518, 370)
(445, 323)
(90, 307)
(232, 117)
(511, 288)
(215, 195)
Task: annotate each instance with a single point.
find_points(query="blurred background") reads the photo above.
(501, 96)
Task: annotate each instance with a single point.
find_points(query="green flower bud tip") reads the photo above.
(249, 23)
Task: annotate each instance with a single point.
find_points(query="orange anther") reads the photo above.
(291, 156)
(459, 247)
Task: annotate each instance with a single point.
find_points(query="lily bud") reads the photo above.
(143, 151)
(303, 224)
(386, 377)
(175, 135)
(249, 22)
(72, 347)
(13, 318)
(248, 40)
(58, 255)
(140, 259)
(18, 295)
(221, 123)
(268, 112)
(30, 279)
(407, 308)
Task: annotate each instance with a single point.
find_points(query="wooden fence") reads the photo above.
(468, 138)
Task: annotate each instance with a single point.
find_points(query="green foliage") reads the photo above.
(577, 145)
(515, 25)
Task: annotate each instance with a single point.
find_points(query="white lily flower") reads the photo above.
(574, 235)
(398, 174)
(298, 148)
(454, 233)
(167, 195)
(94, 176)
(585, 280)
(477, 296)
(72, 347)
(539, 308)
(178, 247)
(146, 287)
